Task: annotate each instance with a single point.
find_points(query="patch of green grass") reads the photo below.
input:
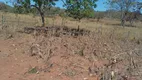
(33, 70)
(70, 73)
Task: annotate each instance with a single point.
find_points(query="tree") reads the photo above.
(99, 15)
(79, 9)
(40, 6)
(123, 6)
(4, 7)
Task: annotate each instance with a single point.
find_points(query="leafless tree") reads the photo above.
(131, 17)
(125, 6)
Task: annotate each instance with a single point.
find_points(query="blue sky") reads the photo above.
(100, 4)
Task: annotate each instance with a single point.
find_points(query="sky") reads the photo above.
(100, 4)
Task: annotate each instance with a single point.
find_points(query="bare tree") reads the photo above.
(131, 16)
(40, 5)
(124, 6)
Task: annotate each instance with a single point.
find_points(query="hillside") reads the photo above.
(6, 8)
(97, 51)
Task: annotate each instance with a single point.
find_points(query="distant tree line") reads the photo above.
(5, 8)
(125, 10)
(130, 10)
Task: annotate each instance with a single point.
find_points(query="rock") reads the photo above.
(85, 79)
(92, 75)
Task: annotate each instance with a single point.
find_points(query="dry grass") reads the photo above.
(104, 57)
(107, 27)
(107, 51)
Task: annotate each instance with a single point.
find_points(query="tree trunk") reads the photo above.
(122, 18)
(41, 14)
(42, 19)
(79, 25)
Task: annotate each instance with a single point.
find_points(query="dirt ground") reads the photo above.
(15, 64)
(110, 52)
(102, 54)
(64, 58)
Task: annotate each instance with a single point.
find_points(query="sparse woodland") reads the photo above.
(39, 41)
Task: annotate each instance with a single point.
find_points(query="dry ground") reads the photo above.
(15, 63)
(108, 52)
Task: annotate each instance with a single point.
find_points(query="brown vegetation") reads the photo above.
(93, 51)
